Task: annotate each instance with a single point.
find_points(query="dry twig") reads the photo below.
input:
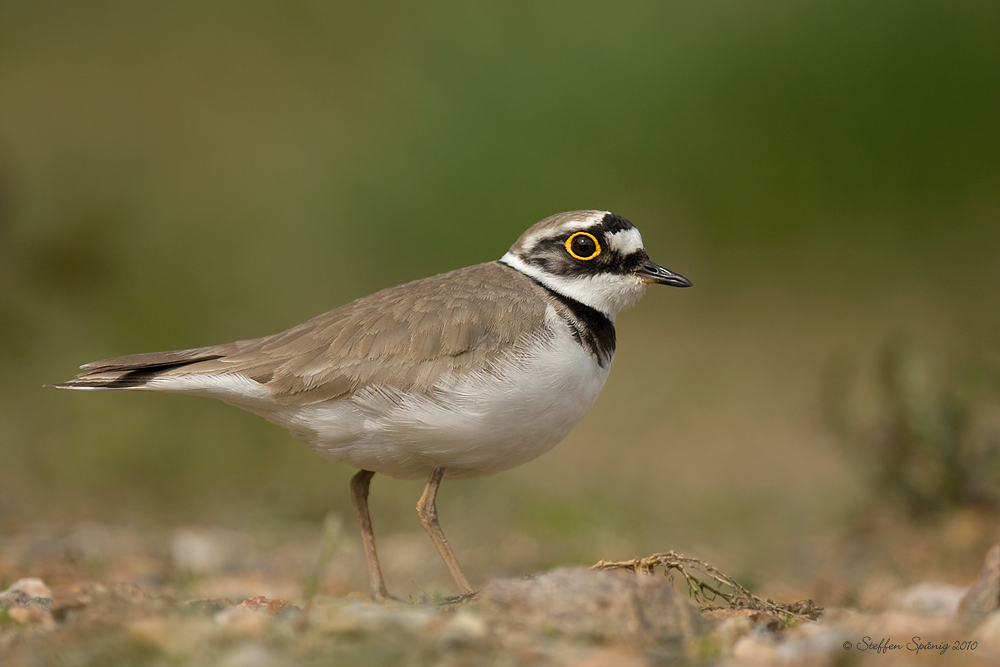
(711, 585)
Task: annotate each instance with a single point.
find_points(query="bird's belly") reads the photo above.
(472, 425)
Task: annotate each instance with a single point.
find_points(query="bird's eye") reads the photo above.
(583, 246)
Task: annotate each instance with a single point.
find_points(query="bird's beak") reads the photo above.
(651, 272)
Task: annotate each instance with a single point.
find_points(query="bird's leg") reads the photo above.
(427, 511)
(359, 498)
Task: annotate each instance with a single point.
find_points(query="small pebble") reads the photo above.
(33, 586)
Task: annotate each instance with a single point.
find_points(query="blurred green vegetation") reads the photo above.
(182, 174)
(929, 441)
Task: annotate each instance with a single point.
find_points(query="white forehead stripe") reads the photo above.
(625, 241)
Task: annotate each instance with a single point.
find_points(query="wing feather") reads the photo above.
(404, 338)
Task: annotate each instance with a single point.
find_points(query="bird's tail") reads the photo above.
(134, 371)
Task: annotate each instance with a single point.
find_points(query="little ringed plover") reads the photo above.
(459, 375)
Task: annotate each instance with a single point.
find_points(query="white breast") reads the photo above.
(474, 424)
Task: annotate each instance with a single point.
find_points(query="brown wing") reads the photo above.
(403, 337)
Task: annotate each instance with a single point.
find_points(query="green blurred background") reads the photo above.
(181, 174)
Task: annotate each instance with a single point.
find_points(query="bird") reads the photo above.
(458, 375)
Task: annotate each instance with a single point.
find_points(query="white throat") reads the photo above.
(606, 292)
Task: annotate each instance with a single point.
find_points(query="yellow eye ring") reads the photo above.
(569, 246)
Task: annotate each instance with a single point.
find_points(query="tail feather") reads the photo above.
(136, 370)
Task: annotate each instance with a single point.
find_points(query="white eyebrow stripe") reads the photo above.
(581, 223)
(570, 225)
(577, 223)
(625, 241)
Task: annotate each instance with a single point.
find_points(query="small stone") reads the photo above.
(33, 586)
(250, 655)
(984, 595)
(330, 615)
(594, 605)
(394, 617)
(756, 647)
(198, 551)
(29, 601)
(32, 616)
(237, 622)
(462, 629)
(175, 637)
(15, 599)
(264, 604)
(129, 593)
(929, 598)
(810, 644)
(611, 656)
(731, 625)
(901, 624)
(207, 607)
(988, 632)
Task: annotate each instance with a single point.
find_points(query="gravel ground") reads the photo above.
(96, 597)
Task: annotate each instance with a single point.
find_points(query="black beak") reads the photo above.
(652, 272)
